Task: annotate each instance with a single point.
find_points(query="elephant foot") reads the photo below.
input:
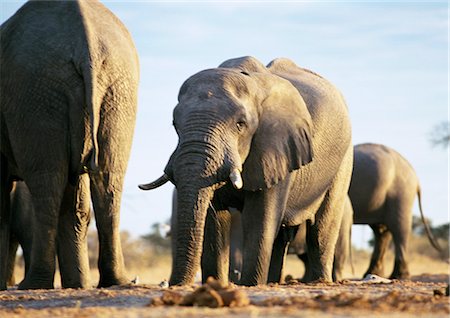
(320, 281)
(400, 271)
(35, 284)
(400, 275)
(113, 281)
(316, 278)
(375, 271)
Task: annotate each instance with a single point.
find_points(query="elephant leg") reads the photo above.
(216, 245)
(322, 236)
(261, 220)
(342, 250)
(5, 220)
(10, 274)
(279, 251)
(382, 239)
(235, 247)
(400, 230)
(47, 190)
(340, 258)
(307, 273)
(72, 235)
(106, 190)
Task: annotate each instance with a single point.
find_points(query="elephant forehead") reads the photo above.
(218, 82)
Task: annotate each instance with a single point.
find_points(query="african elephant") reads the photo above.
(382, 190)
(342, 252)
(68, 107)
(273, 142)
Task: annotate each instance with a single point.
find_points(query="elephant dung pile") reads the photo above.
(212, 294)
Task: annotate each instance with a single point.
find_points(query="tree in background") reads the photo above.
(440, 135)
(159, 238)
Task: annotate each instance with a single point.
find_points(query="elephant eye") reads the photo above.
(241, 124)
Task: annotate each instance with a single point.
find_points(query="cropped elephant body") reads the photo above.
(273, 142)
(382, 190)
(68, 106)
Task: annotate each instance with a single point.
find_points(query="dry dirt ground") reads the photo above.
(422, 296)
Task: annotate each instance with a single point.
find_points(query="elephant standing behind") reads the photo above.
(70, 74)
(273, 142)
(382, 190)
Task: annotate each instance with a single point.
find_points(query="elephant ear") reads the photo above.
(282, 142)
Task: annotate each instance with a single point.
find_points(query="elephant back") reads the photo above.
(331, 129)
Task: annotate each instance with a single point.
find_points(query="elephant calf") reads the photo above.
(382, 190)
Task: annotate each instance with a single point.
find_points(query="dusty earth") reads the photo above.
(422, 296)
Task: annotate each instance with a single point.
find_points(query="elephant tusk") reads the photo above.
(155, 184)
(236, 179)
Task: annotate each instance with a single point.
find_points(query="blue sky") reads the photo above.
(389, 59)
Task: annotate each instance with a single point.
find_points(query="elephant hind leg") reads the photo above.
(47, 190)
(322, 236)
(401, 232)
(74, 220)
(106, 195)
(382, 239)
(279, 252)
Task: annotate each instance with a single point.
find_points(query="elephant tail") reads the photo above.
(93, 108)
(430, 235)
(87, 60)
(93, 100)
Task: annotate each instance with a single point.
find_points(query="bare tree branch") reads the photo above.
(440, 135)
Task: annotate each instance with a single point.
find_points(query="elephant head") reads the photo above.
(236, 124)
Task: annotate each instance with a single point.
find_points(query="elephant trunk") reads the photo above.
(189, 223)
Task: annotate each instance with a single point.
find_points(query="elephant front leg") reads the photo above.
(261, 221)
(72, 235)
(216, 245)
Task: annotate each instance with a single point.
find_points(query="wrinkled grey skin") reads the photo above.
(342, 252)
(68, 107)
(273, 142)
(22, 227)
(383, 188)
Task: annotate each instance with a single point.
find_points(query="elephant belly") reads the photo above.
(297, 213)
(368, 216)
